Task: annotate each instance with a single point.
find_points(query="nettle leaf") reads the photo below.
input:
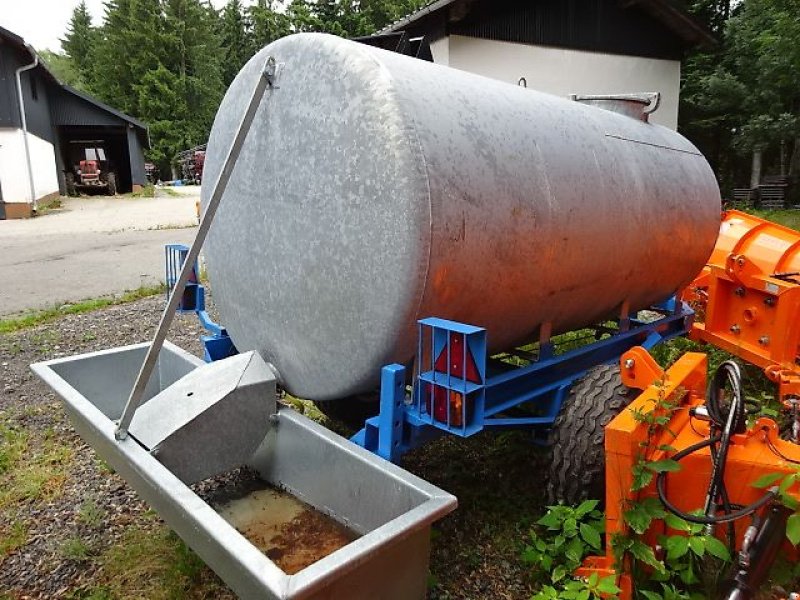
(591, 536)
(789, 501)
(786, 484)
(608, 585)
(664, 466)
(546, 593)
(677, 546)
(697, 545)
(550, 520)
(645, 554)
(574, 550)
(793, 529)
(717, 548)
(766, 480)
(558, 574)
(675, 522)
(641, 477)
(637, 519)
(570, 526)
(585, 507)
(654, 508)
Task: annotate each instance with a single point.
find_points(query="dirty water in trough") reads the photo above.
(292, 534)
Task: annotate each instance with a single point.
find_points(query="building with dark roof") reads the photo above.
(565, 47)
(43, 121)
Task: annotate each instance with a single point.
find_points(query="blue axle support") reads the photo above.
(217, 345)
(457, 390)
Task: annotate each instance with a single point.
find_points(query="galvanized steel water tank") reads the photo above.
(375, 189)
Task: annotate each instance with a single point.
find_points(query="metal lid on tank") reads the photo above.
(637, 106)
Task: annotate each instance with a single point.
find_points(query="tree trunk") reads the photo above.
(794, 161)
(755, 173)
(783, 158)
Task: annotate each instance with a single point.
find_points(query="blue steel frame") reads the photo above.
(408, 421)
(217, 345)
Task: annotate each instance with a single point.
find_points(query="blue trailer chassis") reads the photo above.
(456, 387)
(462, 392)
(217, 344)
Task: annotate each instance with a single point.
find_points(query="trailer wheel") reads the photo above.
(112, 184)
(69, 183)
(577, 466)
(352, 411)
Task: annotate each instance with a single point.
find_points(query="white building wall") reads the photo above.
(441, 51)
(14, 170)
(562, 72)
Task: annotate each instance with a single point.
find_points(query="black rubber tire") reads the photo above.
(112, 184)
(352, 411)
(69, 184)
(577, 466)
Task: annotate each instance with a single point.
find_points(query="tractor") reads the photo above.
(90, 169)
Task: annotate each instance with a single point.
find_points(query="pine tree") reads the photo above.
(109, 76)
(268, 24)
(193, 56)
(79, 41)
(234, 39)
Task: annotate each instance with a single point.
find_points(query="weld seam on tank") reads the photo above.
(662, 146)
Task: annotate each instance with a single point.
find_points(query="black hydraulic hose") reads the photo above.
(661, 480)
(728, 372)
(733, 376)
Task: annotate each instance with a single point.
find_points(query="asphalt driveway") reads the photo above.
(92, 246)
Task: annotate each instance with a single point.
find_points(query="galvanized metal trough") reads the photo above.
(389, 508)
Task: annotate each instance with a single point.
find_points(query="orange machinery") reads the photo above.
(680, 394)
(747, 298)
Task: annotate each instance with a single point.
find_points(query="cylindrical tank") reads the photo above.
(375, 189)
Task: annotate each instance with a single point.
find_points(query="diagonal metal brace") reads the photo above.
(265, 81)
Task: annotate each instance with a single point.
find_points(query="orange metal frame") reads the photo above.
(748, 297)
(684, 385)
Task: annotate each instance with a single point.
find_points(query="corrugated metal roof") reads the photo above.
(21, 44)
(669, 12)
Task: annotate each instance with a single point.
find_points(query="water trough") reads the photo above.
(389, 510)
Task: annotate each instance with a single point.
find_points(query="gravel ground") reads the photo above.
(82, 514)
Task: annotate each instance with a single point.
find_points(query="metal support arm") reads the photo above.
(266, 80)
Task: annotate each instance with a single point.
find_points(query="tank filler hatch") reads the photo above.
(636, 106)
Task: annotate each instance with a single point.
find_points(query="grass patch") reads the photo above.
(787, 218)
(39, 317)
(43, 209)
(13, 443)
(12, 537)
(90, 514)
(75, 549)
(170, 191)
(154, 563)
(148, 191)
(34, 472)
(93, 593)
